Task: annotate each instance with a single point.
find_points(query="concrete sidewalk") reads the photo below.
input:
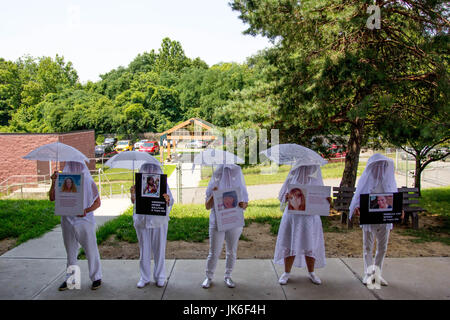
(409, 278)
(35, 269)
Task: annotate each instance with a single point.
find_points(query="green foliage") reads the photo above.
(334, 75)
(100, 139)
(435, 201)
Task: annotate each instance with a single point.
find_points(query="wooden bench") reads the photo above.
(343, 196)
(411, 196)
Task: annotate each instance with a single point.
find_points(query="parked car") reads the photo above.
(196, 144)
(110, 142)
(335, 152)
(151, 147)
(104, 151)
(124, 145)
(139, 144)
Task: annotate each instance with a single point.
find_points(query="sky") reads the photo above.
(99, 35)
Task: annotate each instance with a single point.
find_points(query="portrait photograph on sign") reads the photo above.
(308, 200)
(69, 195)
(381, 202)
(229, 200)
(151, 185)
(296, 199)
(226, 206)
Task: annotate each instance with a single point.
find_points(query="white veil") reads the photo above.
(227, 176)
(378, 174)
(311, 175)
(89, 186)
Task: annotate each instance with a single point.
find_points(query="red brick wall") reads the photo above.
(83, 141)
(14, 146)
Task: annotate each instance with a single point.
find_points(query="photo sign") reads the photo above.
(150, 188)
(379, 208)
(69, 194)
(226, 207)
(308, 200)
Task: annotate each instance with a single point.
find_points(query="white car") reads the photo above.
(139, 144)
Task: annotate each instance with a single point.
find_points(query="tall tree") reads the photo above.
(334, 71)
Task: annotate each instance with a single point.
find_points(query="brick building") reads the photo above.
(14, 146)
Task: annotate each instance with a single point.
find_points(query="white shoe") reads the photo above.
(383, 282)
(229, 282)
(366, 278)
(207, 283)
(160, 283)
(315, 279)
(142, 284)
(284, 278)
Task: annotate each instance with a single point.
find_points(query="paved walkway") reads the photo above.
(35, 269)
(409, 278)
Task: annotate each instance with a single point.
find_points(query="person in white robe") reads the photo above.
(80, 230)
(224, 177)
(151, 232)
(300, 241)
(377, 177)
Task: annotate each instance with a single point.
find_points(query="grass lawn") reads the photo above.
(436, 201)
(26, 219)
(118, 174)
(254, 175)
(118, 177)
(190, 222)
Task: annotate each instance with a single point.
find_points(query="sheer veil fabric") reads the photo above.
(89, 188)
(300, 235)
(378, 177)
(226, 176)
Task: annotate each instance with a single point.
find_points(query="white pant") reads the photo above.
(152, 241)
(82, 233)
(381, 234)
(216, 239)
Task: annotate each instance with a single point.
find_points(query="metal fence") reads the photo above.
(188, 185)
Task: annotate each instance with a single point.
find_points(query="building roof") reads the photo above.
(204, 124)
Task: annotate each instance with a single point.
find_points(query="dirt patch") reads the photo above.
(6, 245)
(259, 243)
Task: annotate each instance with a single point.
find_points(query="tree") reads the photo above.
(335, 75)
(10, 88)
(420, 130)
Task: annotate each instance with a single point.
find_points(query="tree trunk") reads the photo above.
(417, 174)
(351, 162)
(352, 157)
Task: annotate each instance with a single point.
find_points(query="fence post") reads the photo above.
(396, 160)
(407, 170)
(179, 183)
(100, 181)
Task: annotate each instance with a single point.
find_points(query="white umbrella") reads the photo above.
(131, 160)
(56, 151)
(294, 155)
